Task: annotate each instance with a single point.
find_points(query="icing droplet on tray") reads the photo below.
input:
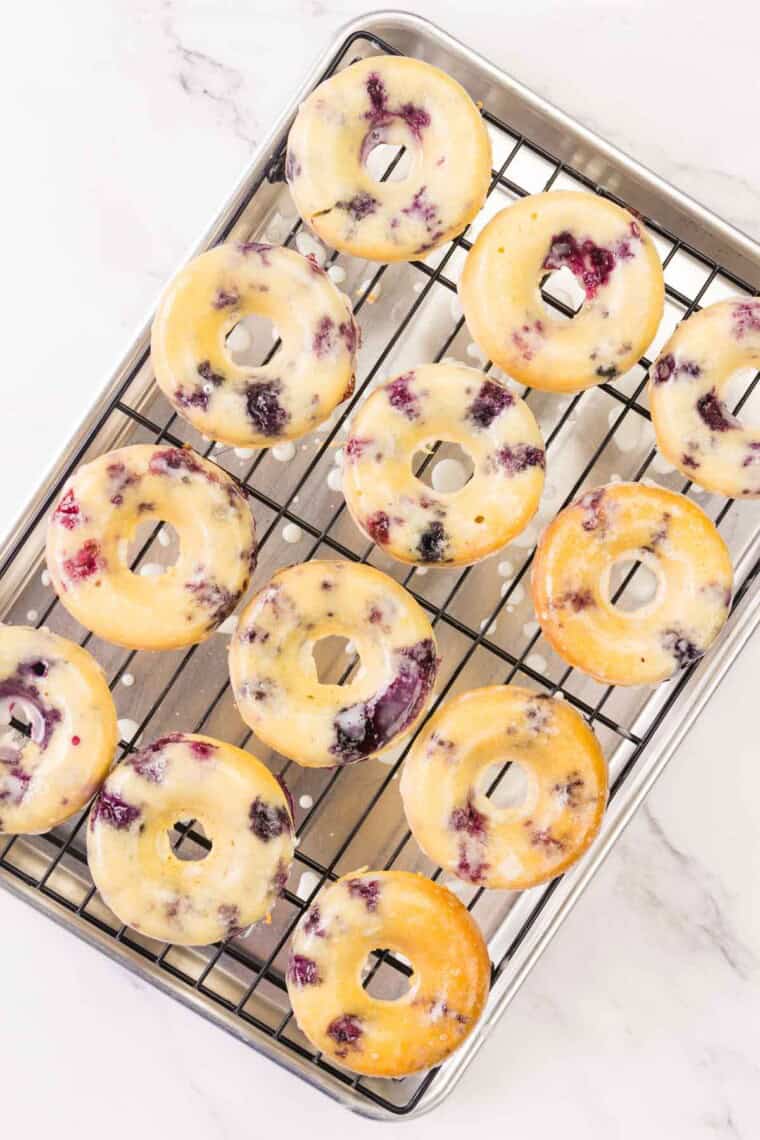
(291, 532)
(283, 452)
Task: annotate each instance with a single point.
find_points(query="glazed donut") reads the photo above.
(309, 375)
(613, 259)
(449, 402)
(244, 811)
(444, 787)
(408, 915)
(46, 777)
(99, 512)
(274, 677)
(695, 430)
(671, 536)
(401, 102)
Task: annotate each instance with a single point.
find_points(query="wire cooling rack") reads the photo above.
(352, 817)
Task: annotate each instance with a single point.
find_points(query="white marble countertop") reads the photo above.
(131, 120)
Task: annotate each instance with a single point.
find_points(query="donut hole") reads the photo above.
(562, 286)
(505, 784)
(632, 585)
(152, 549)
(189, 841)
(388, 163)
(443, 465)
(252, 341)
(385, 978)
(336, 659)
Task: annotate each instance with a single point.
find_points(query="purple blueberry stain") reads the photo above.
(206, 372)
(312, 923)
(681, 647)
(68, 512)
(268, 821)
(490, 402)
(367, 726)
(360, 206)
(350, 333)
(229, 916)
(753, 456)
(542, 837)
(402, 398)
(368, 890)
(576, 600)
(469, 820)
(594, 513)
(714, 412)
(175, 461)
(471, 867)
(663, 369)
(213, 597)
(195, 398)
(526, 337)
(226, 299)
(569, 791)
(293, 167)
(689, 461)
(416, 118)
(424, 210)
(433, 542)
(263, 249)
(303, 971)
(324, 337)
(356, 447)
(520, 457)
(119, 478)
(113, 811)
(264, 409)
(746, 318)
(346, 1031)
(377, 526)
(85, 562)
(590, 263)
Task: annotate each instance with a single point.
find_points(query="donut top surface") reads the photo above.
(611, 256)
(308, 375)
(672, 537)
(99, 512)
(410, 916)
(244, 812)
(62, 693)
(695, 429)
(414, 522)
(446, 780)
(275, 678)
(402, 102)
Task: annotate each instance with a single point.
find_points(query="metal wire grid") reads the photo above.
(232, 973)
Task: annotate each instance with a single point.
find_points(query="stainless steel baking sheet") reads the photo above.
(352, 817)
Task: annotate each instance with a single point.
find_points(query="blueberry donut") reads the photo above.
(99, 512)
(668, 534)
(274, 676)
(695, 430)
(308, 376)
(414, 522)
(401, 102)
(61, 692)
(615, 262)
(446, 779)
(408, 915)
(243, 810)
